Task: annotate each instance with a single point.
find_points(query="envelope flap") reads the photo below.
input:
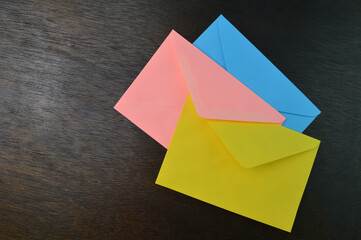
(215, 92)
(244, 61)
(255, 144)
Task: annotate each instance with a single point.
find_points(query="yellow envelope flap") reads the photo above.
(255, 144)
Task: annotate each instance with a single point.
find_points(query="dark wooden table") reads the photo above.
(71, 167)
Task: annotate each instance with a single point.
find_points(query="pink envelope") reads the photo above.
(155, 99)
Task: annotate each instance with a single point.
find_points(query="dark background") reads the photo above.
(71, 167)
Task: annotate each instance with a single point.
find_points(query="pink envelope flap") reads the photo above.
(154, 101)
(215, 92)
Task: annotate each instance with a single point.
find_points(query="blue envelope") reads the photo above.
(229, 48)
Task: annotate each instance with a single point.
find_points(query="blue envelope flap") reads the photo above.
(243, 60)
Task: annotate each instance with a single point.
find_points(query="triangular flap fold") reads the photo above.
(255, 144)
(215, 92)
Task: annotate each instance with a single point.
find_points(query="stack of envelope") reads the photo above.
(231, 122)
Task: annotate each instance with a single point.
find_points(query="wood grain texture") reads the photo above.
(71, 167)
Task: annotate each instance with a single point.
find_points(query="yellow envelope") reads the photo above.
(258, 170)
